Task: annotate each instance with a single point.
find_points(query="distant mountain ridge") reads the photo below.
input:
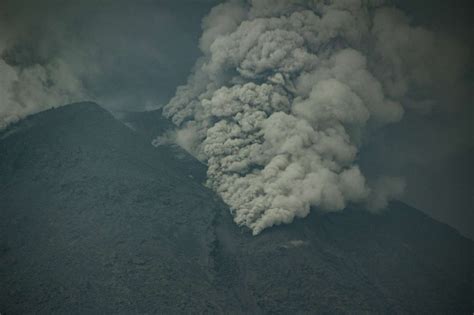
(93, 219)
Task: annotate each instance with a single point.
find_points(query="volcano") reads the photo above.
(94, 219)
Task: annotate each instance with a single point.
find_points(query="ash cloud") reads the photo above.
(117, 53)
(27, 90)
(287, 92)
(411, 115)
(34, 75)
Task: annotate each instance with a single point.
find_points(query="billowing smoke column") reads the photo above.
(282, 99)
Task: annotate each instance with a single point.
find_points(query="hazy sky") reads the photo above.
(142, 50)
(131, 55)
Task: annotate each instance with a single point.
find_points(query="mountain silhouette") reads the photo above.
(94, 219)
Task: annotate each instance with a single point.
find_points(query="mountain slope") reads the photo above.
(400, 261)
(93, 219)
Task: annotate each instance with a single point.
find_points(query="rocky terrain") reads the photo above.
(94, 219)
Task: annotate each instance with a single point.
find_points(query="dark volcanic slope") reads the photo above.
(94, 219)
(149, 123)
(397, 262)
